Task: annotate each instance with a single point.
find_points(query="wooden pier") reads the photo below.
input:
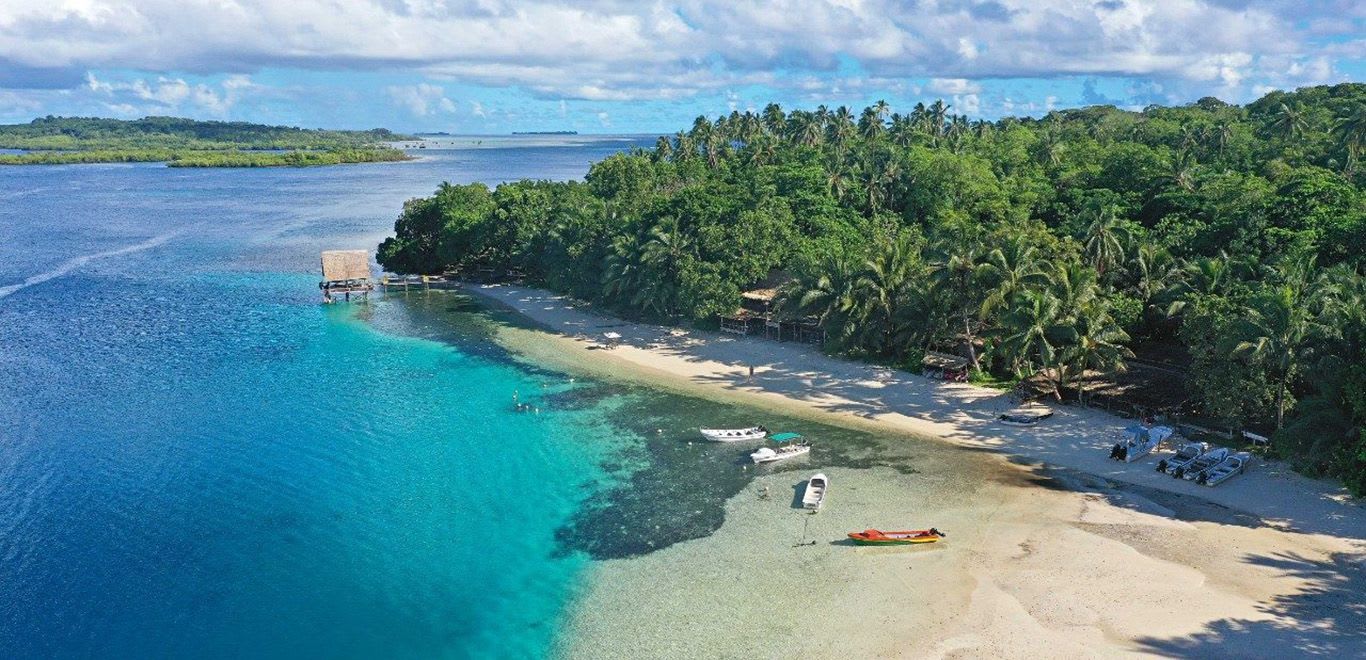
(420, 282)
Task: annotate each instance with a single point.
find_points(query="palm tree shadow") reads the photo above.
(1326, 618)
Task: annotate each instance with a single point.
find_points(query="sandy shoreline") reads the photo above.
(1112, 559)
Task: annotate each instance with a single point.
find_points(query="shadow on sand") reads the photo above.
(1327, 618)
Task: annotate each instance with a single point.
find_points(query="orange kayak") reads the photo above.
(904, 537)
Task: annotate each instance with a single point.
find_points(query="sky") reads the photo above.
(609, 66)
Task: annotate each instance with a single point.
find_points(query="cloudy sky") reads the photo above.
(491, 66)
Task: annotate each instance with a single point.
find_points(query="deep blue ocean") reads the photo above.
(197, 459)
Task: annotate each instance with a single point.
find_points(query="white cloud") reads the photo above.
(138, 96)
(953, 86)
(968, 104)
(967, 48)
(422, 99)
(616, 50)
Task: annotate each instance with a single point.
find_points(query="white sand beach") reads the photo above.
(1054, 550)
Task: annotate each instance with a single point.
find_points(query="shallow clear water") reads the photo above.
(198, 459)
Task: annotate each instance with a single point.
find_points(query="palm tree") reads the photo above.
(623, 273)
(1182, 173)
(953, 273)
(837, 180)
(1062, 329)
(762, 150)
(1104, 240)
(870, 124)
(881, 109)
(1207, 276)
(664, 149)
(883, 292)
(1075, 285)
(714, 145)
(903, 130)
(662, 255)
(1223, 132)
(938, 113)
(774, 120)
(1051, 148)
(826, 293)
(1008, 271)
(1029, 332)
(1283, 322)
(1154, 271)
(685, 149)
(1098, 345)
(1350, 130)
(1290, 121)
(804, 128)
(841, 128)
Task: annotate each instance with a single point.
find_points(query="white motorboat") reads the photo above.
(1233, 465)
(1204, 462)
(769, 454)
(1183, 457)
(1139, 441)
(815, 491)
(735, 435)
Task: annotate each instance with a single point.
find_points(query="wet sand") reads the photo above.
(1053, 551)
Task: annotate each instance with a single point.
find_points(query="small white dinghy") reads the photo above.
(1139, 441)
(1205, 461)
(795, 447)
(815, 491)
(735, 435)
(1231, 466)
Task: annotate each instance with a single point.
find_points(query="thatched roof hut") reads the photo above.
(343, 265)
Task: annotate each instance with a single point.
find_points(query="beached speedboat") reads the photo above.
(1183, 457)
(905, 537)
(1138, 442)
(1024, 419)
(1204, 462)
(815, 491)
(793, 447)
(734, 435)
(1233, 465)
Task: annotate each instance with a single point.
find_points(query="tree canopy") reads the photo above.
(1047, 247)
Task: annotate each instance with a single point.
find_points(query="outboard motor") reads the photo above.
(1162, 465)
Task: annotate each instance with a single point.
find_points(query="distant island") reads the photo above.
(545, 132)
(191, 143)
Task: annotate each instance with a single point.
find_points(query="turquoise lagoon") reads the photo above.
(199, 460)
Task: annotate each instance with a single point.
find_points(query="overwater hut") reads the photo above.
(345, 272)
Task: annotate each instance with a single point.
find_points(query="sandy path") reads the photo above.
(1130, 562)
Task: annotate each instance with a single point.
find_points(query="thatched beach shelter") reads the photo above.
(345, 272)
